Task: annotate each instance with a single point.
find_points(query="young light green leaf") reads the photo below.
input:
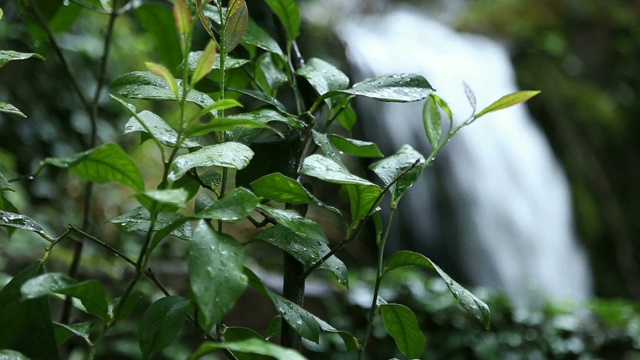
(281, 188)
(470, 96)
(161, 323)
(148, 86)
(394, 88)
(103, 164)
(233, 207)
(139, 219)
(432, 121)
(167, 200)
(229, 154)
(355, 147)
(223, 104)
(91, 293)
(10, 55)
(250, 346)
(18, 221)
(4, 184)
(307, 251)
(65, 331)
(182, 18)
(22, 319)
(290, 219)
(469, 302)
(289, 15)
(8, 108)
(205, 63)
(406, 164)
(401, 323)
(236, 24)
(507, 101)
(150, 123)
(216, 263)
(165, 74)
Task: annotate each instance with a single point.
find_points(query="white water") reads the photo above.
(512, 201)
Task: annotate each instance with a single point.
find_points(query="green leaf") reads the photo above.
(363, 199)
(402, 325)
(8, 108)
(251, 346)
(102, 164)
(507, 101)
(10, 55)
(289, 15)
(205, 63)
(407, 164)
(282, 189)
(165, 74)
(10, 354)
(236, 333)
(229, 154)
(266, 116)
(394, 88)
(167, 200)
(91, 293)
(290, 219)
(323, 76)
(470, 96)
(325, 169)
(469, 302)
(261, 96)
(157, 21)
(355, 147)
(302, 321)
(269, 74)
(161, 323)
(432, 121)
(322, 140)
(148, 86)
(226, 124)
(18, 221)
(22, 319)
(65, 331)
(139, 219)
(233, 207)
(236, 23)
(230, 62)
(307, 251)
(216, 263)
(150, 123)
(182, 18)
(4, 184)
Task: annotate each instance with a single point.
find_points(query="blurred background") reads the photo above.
(575, 144)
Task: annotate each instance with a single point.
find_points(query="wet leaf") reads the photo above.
(161, 323)
(233, 207)
(323, 77)
(394, 88)
(139, 219)
(167, 200)
(229, 154)
(401, 323)
(290, 219)
(18, 221)
(10, 354)
(216, 263)
(251, 346)
(323, 168)
(355, 147)
(282, 189)
(407, 164)
(8, 108)
(103, 164)
(469, 302)
(165, 74)
(91, 293)
(307, 251)
(150, 123)
(507, 101)
(10, 55)
(65, 331)
(4, 184)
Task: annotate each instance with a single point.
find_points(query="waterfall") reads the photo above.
(511, 200)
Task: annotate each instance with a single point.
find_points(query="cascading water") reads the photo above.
(510, 197)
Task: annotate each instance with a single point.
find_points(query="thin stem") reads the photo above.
(374, 302)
